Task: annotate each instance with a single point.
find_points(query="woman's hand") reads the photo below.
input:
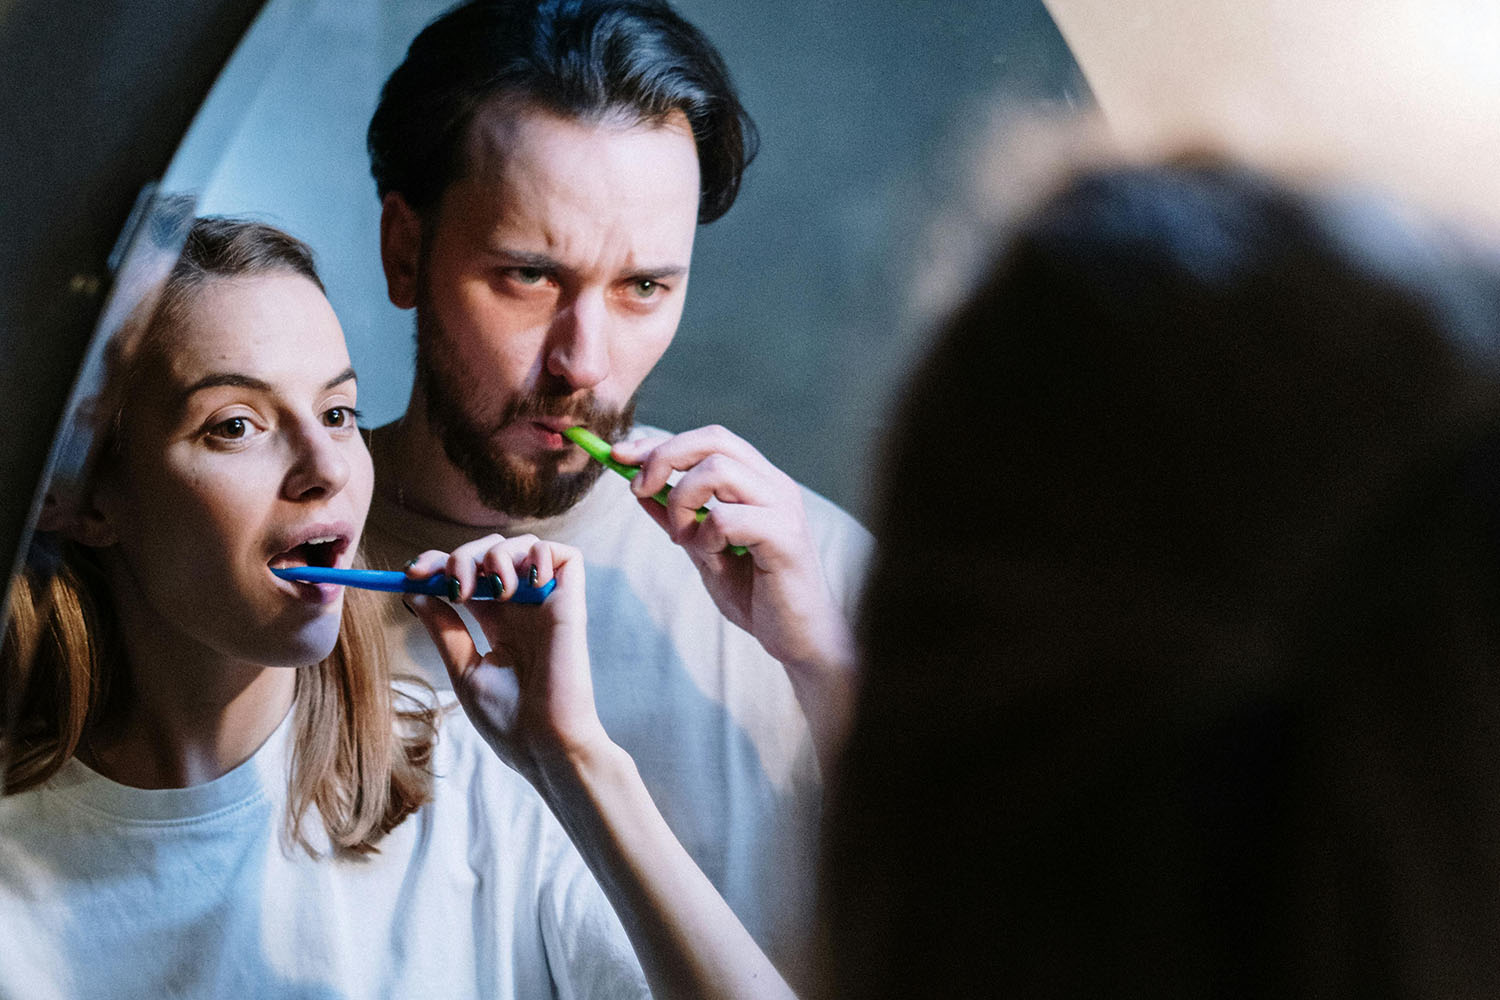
(531, 696)
(533, 700)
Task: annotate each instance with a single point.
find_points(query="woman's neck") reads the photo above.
(180, 714)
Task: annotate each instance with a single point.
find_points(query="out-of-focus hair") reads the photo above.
(584, 59)
(361, 748)
(1202, 698)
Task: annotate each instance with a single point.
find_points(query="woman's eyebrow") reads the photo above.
(239, 381)
(216, 379)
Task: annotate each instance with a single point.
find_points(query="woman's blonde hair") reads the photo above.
(362, 746)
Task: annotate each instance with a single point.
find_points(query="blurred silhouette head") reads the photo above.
(1202, 482)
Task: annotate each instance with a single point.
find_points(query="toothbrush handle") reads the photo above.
(484, 589)
(398, 583)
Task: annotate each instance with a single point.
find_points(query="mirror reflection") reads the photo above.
(546, 178)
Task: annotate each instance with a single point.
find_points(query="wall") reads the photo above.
(1401, 95)
(802, 316)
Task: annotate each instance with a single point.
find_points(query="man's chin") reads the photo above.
(532, 489)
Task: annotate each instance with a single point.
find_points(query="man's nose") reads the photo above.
(578, 343)
(319, 466)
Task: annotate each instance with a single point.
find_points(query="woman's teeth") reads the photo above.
(313, 552)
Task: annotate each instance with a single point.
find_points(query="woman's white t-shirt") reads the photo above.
(112, 891)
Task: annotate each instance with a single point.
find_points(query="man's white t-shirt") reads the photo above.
(112, 891)
(710, 719)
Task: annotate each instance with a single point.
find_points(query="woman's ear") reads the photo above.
(400, 249)
(80, 519)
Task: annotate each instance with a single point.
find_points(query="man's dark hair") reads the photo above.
(580, 58)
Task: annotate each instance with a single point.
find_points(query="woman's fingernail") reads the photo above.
(454, 589)
(411, 562)
(499, 584)
(531, 577)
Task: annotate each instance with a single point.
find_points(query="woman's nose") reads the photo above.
(319, 466)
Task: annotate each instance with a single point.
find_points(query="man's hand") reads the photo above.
(778, 592)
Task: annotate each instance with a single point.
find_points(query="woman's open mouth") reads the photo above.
(321, 551)
(319, 545)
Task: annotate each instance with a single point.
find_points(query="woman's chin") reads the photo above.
(306, 645)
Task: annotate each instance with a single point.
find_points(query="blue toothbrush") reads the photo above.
(399, 583)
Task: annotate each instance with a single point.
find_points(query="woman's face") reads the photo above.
(240, 453)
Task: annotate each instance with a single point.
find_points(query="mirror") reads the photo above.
(96, 106)
(802, 309)
(806, 299)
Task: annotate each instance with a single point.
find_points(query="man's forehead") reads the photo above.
(503, 125)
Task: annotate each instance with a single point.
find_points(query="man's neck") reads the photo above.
(413, 471)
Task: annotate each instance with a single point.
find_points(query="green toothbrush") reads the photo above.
(598, 450)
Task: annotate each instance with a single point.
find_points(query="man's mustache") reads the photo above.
(582, 408)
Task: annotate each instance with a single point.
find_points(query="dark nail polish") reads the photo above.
(499, 584)
(531, 577)
(454, 589)
(411, 562)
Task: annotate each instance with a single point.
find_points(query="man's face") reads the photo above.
(550, 281)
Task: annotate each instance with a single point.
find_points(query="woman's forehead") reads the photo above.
(276, 323)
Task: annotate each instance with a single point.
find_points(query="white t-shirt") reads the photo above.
(710, 719)
(112, 891)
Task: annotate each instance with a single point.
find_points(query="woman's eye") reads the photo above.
(341, 416)
(233, 429)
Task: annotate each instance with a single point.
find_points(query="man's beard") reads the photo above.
(520, 488)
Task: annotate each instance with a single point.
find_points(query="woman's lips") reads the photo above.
(313, 545)
(315, 593)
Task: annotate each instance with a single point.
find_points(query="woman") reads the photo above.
(213, 784)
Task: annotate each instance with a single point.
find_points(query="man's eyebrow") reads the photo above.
(551, 265)
(520, 258)
(658, 273)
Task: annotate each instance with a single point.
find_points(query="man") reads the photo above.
(543, 168)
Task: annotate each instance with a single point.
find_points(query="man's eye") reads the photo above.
(529, 275)
(233, 429)
(645, 288)
(341, 416)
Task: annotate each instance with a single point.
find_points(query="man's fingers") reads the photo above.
(683, 451)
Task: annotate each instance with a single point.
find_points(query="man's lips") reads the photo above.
(556, 424)
(548, 431)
